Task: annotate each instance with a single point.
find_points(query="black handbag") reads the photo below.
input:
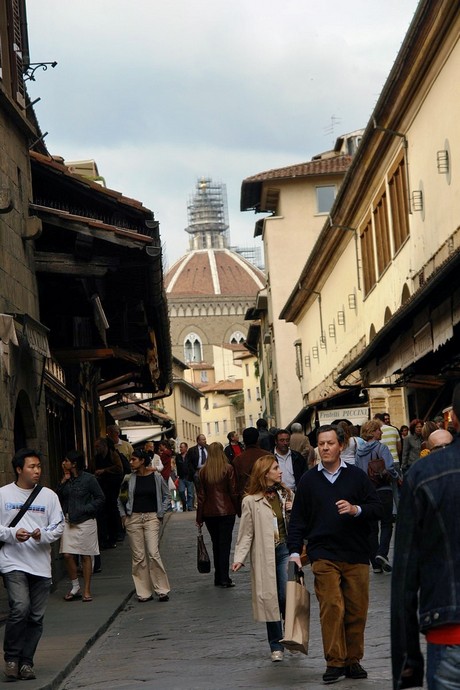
(23, 510)
(203, 562)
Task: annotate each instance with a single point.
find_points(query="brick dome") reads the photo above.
(210, 272)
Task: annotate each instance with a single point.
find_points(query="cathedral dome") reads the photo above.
(212, 272)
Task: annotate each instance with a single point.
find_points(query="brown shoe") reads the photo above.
(11, 670)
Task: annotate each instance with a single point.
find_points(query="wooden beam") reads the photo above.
(52, 262)
(83, 355)
(87, 226)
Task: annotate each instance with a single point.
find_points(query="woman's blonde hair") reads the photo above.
(216, 464)
(258, 479)
(369, 428)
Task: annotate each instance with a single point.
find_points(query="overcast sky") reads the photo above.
(160, 93)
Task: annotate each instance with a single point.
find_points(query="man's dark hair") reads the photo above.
(78, 458)
(282, 431)
(20, 456)
(262, 423)
(250, 436)
(332, 427)
(230, 435)
(380, 416)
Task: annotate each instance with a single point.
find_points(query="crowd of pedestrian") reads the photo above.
(331, 504)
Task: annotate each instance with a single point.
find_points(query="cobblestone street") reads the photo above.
(205, 638)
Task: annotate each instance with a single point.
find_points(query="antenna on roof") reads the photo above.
(330, 129)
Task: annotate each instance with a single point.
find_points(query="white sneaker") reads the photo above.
(385, 563)
(278, 655)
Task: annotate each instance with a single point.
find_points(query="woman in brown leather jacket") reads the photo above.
(217, 508)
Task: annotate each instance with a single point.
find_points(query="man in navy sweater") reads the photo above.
(333, 508)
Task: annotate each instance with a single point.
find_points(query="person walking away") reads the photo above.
(108, 470)
(141, 515)
(390, 437)
(81, 499)
(25, 561)
(425, 592)
(217, 507)
(333, 507)
(244, 463)
(266, 439)
(262, 534)
(373, 449)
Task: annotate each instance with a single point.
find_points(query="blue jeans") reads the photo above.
(186, 487)
(275, 628)
(27, 599)
(443, 666)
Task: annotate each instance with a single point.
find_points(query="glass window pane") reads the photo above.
(325, 198)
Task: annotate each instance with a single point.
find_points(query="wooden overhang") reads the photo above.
(100, 279)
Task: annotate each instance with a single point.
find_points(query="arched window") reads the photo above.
(237, 338)
(193, 349)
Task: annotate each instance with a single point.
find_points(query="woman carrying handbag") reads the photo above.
(262, 534)
(217, 508)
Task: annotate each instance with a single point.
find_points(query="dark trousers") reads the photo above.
(220, 529)
(27, 599)
(380, 547)
(108, 520)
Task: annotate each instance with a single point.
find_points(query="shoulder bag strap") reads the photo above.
(25, 507)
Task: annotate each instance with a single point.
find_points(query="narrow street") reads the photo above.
(205, 638)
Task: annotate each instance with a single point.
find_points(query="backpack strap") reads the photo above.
(25, 506)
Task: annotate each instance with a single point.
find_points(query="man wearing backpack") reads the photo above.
(375, 459)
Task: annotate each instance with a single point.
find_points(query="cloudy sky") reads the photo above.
(162, 92)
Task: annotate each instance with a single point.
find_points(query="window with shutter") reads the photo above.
(16, 45)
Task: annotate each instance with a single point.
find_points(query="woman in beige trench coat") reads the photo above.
(262, 534)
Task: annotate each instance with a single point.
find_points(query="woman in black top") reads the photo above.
(142, 506)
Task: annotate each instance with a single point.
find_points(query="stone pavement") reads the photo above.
(203, 638)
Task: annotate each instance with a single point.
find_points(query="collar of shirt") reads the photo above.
(282, 457)
(331, 476)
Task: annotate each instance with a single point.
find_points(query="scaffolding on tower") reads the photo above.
(208, 216)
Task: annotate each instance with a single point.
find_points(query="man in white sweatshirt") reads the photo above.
(25, 561)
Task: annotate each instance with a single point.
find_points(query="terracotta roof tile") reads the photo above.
(322, 166)
(223, 387)
(251, 187)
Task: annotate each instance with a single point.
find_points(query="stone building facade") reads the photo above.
(23, 342)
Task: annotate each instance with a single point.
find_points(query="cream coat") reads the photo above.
(256, 536)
